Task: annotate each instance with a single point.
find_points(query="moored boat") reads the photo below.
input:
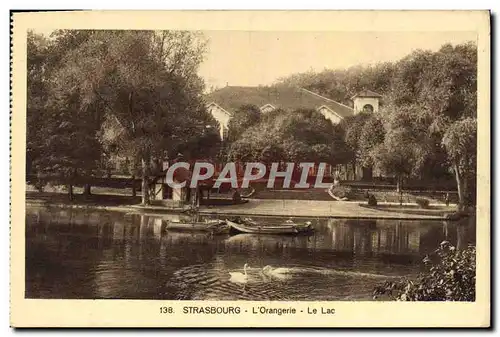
(251, 227)
(216, 226)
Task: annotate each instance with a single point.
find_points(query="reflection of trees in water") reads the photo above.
(466, 232)
(397, 237)
(360, 236)
(334, 242)
(369, 236)
(149, 254)
(268, 243)
(458, 233)
(63, 248)
(78, 247)
(356, 236)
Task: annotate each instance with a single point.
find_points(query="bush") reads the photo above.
(236, 196)
(342, 191)
(372, 201)
(423, 203)
(450, 276)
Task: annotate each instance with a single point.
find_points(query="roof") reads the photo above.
(182, 174)
(367, 93)
(231, 98)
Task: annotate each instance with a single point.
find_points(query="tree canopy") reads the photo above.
(244, 117)
(301, 135)
(141, 85)
(429, 102)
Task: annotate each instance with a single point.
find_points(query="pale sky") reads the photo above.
(259, 58)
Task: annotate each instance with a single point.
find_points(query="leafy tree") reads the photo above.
(141, 85)
(37, 57)
(147, 83)
(405, 147)
(61, 144)
(445, 82)
(396, 156)
(362, 133)
(341, 84)
(372, 134)
(450, 276)
(460, 141)
(424, 94)
(244, 117)
(302, 135)
(352, 128)
(442, 89)
(71, 149)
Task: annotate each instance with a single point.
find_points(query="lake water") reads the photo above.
(90, 254)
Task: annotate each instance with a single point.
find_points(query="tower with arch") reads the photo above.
(366, 101)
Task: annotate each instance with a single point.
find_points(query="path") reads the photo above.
(308, 208)
(264, 207)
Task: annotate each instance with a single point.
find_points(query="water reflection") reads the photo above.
(89, 254)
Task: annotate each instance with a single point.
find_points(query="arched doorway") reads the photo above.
(368, 108)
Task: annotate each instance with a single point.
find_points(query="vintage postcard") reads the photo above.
(250, 169)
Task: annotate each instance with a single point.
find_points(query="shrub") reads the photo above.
(236, 196)
(450, 276)
(342, 191)
(372, 201)
(423, 203)
(39, 185)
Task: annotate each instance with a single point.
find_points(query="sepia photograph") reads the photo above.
(277, 165)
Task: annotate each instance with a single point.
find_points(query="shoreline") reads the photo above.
(269, 208)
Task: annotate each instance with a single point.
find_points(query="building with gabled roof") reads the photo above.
(366, 93)
(223, 102)
(366, 101)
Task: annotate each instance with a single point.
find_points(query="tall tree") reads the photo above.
(372, 134)
(427, 91)
(406, 146)
(302, 135)
(38, 49)
(460, 141)
(244, 117)
(342, 84)
(147, 82)
(61, 137)
(440, 88)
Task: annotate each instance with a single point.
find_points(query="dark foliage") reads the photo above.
(423, 203)
(450, 276)
(372, 201)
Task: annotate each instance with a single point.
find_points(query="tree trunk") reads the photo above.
(87, 190)
(70, 192)
(460, 187)
(134, 190)
(145, 185)
(465, 189)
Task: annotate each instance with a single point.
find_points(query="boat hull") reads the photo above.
(257, 229)
(216, 227)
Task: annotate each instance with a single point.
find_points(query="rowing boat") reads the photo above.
(251, 227)
(207, 226)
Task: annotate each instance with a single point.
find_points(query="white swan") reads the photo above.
(280, 273)
(238, 277)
